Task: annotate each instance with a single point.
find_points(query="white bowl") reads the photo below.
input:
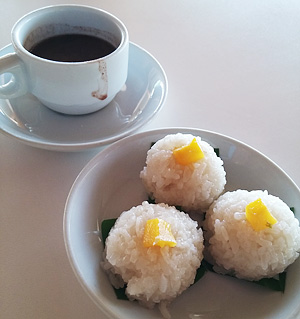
(110, 184)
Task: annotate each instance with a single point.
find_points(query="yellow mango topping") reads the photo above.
(188, 154)
(259, 216)
(158, 233)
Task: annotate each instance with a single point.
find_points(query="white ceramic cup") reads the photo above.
(66, 87)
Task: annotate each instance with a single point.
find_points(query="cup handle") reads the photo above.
(16, 84)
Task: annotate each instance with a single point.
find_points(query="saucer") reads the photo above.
(142, 96)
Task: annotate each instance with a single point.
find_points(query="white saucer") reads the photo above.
(144, 93)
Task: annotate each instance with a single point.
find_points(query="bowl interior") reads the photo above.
(110, 184)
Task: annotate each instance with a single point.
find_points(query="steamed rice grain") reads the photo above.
(194, 186)
(236, 248)
(153, 275)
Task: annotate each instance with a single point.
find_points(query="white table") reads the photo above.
(233, 67)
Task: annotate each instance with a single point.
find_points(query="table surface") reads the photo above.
(233, 67)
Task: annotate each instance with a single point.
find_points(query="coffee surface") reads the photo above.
(72, 48)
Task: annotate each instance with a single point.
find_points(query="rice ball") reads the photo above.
(193, 186)
(238, 249)
(155, 274)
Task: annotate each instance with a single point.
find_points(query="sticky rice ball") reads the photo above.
(153, 274)
(192, 185)
(255, 244)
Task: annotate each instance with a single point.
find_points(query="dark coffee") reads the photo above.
(72, 48)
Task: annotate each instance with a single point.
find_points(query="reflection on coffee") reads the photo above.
(72, 48)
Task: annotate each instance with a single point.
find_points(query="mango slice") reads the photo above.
(188, 154)
(259, 216)
(158, 233)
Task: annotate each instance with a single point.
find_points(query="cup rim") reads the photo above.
(19, 47)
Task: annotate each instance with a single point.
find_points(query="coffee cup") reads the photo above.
(72, 58)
